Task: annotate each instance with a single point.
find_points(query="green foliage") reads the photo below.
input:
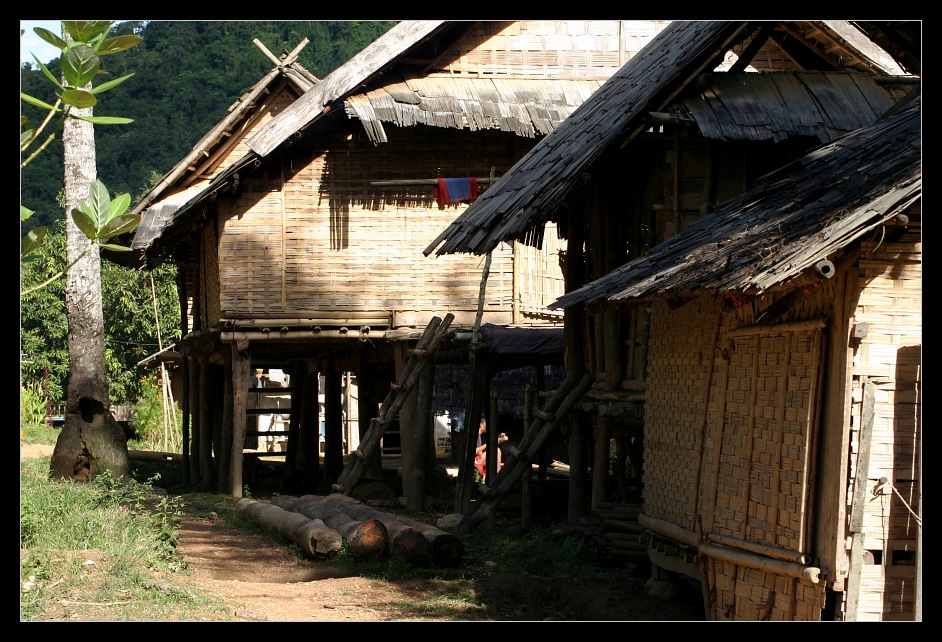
(186, 76)
(33, 405)
(100, 218)
(148, 419)
(127, 522)
(131, 330)
(121, 518)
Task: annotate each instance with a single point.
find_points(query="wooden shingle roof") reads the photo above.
(526, 106)
(518, 206)
(803, 213)
(520, 203)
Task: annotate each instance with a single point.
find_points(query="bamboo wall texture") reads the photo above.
(680, 352)
(749, 594)
(549, 48)
(889, 356)
(757, 436)
(329, 241)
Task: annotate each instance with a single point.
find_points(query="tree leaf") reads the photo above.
(105, 120)
(48, 73)
(25, 213)
(32, 240)
(117, 44)
(80, 65)
(119, 226)
(111, 84)
(116, 248)
(78, 98)
(85, 30)
(99, 204)
(36, 102)
(84, 223)
(52, 38)
(119, 205)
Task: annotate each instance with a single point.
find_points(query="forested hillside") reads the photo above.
(187, 74)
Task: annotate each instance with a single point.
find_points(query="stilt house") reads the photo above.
(298, 225)
(761, 363)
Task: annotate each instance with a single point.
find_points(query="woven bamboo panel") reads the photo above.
(549, 48)
(761, 489)
(678, 370)
(886, 595)
(211, 278)
(890, 357)
(748, 594)
(329, 241)
(540, 279)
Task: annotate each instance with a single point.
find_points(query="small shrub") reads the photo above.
(148, 419)
(33, 405)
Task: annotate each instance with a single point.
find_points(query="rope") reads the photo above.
(882, 483)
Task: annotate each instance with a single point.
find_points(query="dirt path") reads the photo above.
(261, 579)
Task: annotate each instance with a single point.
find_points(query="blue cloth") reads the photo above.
(455, 190)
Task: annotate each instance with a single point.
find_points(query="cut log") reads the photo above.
(314, 537)
(406, 541)
(364, 538)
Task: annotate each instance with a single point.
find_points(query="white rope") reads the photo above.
(878, 490)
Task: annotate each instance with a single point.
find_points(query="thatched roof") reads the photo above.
(289, 69)
(344, 79)
(525, 106)
(782, 105)
(527, 196)
(354, 73)
(805, 212)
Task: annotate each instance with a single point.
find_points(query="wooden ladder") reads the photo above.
(398, 393)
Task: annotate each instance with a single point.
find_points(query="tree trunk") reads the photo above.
(405, 542)
(364, 538)
(91, 441)
(314, 537)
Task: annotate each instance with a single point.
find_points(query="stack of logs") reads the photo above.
(321, 524)
(620, 537)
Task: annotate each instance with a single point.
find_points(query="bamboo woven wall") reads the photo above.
(538, 277)
(329, 241)
(749, 594)
(757, 434)
(889, 356)
(568, 49)
(209, 277)
(680, 352)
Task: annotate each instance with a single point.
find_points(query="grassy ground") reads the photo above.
(104, 550)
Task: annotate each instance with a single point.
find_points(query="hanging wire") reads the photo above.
(878, 490)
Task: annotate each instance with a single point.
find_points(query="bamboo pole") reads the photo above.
(421, 181)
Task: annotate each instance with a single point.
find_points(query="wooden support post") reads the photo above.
(414, 475)
(333, 421)
(197, 403)
(855, 523)
(185, 429)
(368, 405)
(526, 475)
(310, 426)
(225, 441)
(600, 462)
(293, 446)
(206, 429)
(240, 386)
(578, 470)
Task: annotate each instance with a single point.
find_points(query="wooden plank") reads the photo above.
(855, 522)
